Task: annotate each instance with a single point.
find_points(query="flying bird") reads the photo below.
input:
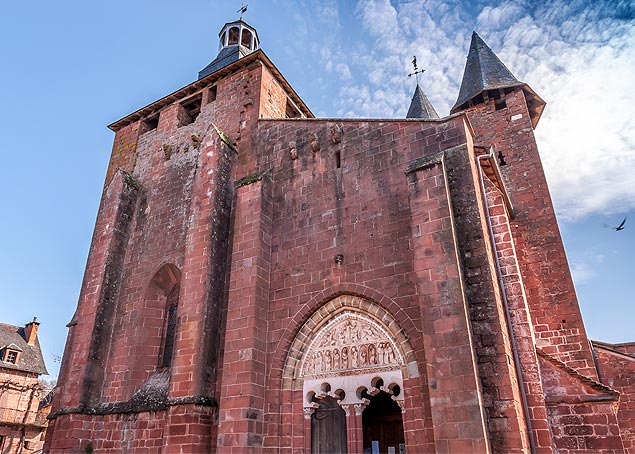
(619, 227)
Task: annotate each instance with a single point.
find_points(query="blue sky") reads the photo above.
(71, 68)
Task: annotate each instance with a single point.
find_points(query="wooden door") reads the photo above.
(328, 428)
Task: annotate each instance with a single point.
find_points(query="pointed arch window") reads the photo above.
(170, 328)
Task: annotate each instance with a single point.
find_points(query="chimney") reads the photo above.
(30, 331)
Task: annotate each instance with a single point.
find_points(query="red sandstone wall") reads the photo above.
(520, 320)
(618, 371)
(552, 301)
(582, 411)
(497, 368)
(141, 432)
(360, 210)
(415, 245)
(124, 151)
(171, 208)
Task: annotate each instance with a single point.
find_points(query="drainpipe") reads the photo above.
(501, 283)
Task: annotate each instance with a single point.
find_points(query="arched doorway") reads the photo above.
(382, 424)
(351, 361)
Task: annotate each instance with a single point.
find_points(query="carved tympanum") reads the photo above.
(350, 342)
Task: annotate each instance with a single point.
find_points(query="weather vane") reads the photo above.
(242, 10)
(417, 71)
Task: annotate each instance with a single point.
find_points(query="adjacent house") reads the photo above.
(22, 425)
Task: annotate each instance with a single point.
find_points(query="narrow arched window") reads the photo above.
(233, 36)
(170, 328)
(246, 38)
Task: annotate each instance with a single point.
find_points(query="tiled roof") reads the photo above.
(228, 55)
(594, 384)
(30, 358)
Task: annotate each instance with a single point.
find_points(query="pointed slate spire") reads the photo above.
(420, 106)
(484, 71)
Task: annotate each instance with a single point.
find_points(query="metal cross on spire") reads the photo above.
(242, 10)
(417, 71)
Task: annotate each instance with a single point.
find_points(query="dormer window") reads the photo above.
(10, 355)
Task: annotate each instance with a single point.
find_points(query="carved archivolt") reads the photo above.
(351, 357)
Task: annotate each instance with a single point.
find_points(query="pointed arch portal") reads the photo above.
(350, 359)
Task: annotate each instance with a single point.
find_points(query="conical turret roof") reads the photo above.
(420, 106)
(483, 71)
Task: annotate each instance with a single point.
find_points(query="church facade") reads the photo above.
(261, 280)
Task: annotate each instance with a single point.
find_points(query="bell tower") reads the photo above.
(237, 40)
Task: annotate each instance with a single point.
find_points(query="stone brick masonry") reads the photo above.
(261, 236)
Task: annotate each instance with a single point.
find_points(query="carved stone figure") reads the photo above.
(391, 355)
(293, 152)
(314, 142)
(336, 134)
(329, 339)
(354, 357)
(345, 358)
(372, 355)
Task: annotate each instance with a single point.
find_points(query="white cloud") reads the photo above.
(583, 267)
(328, 12)
(343, 71)
(579, 56)
(587, 135)
(581, 272)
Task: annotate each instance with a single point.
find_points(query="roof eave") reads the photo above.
(535, 104)
(257, 55)
(460, 103)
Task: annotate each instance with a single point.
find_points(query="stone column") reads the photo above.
(201, 301)
(242, 397)
(357, 442)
